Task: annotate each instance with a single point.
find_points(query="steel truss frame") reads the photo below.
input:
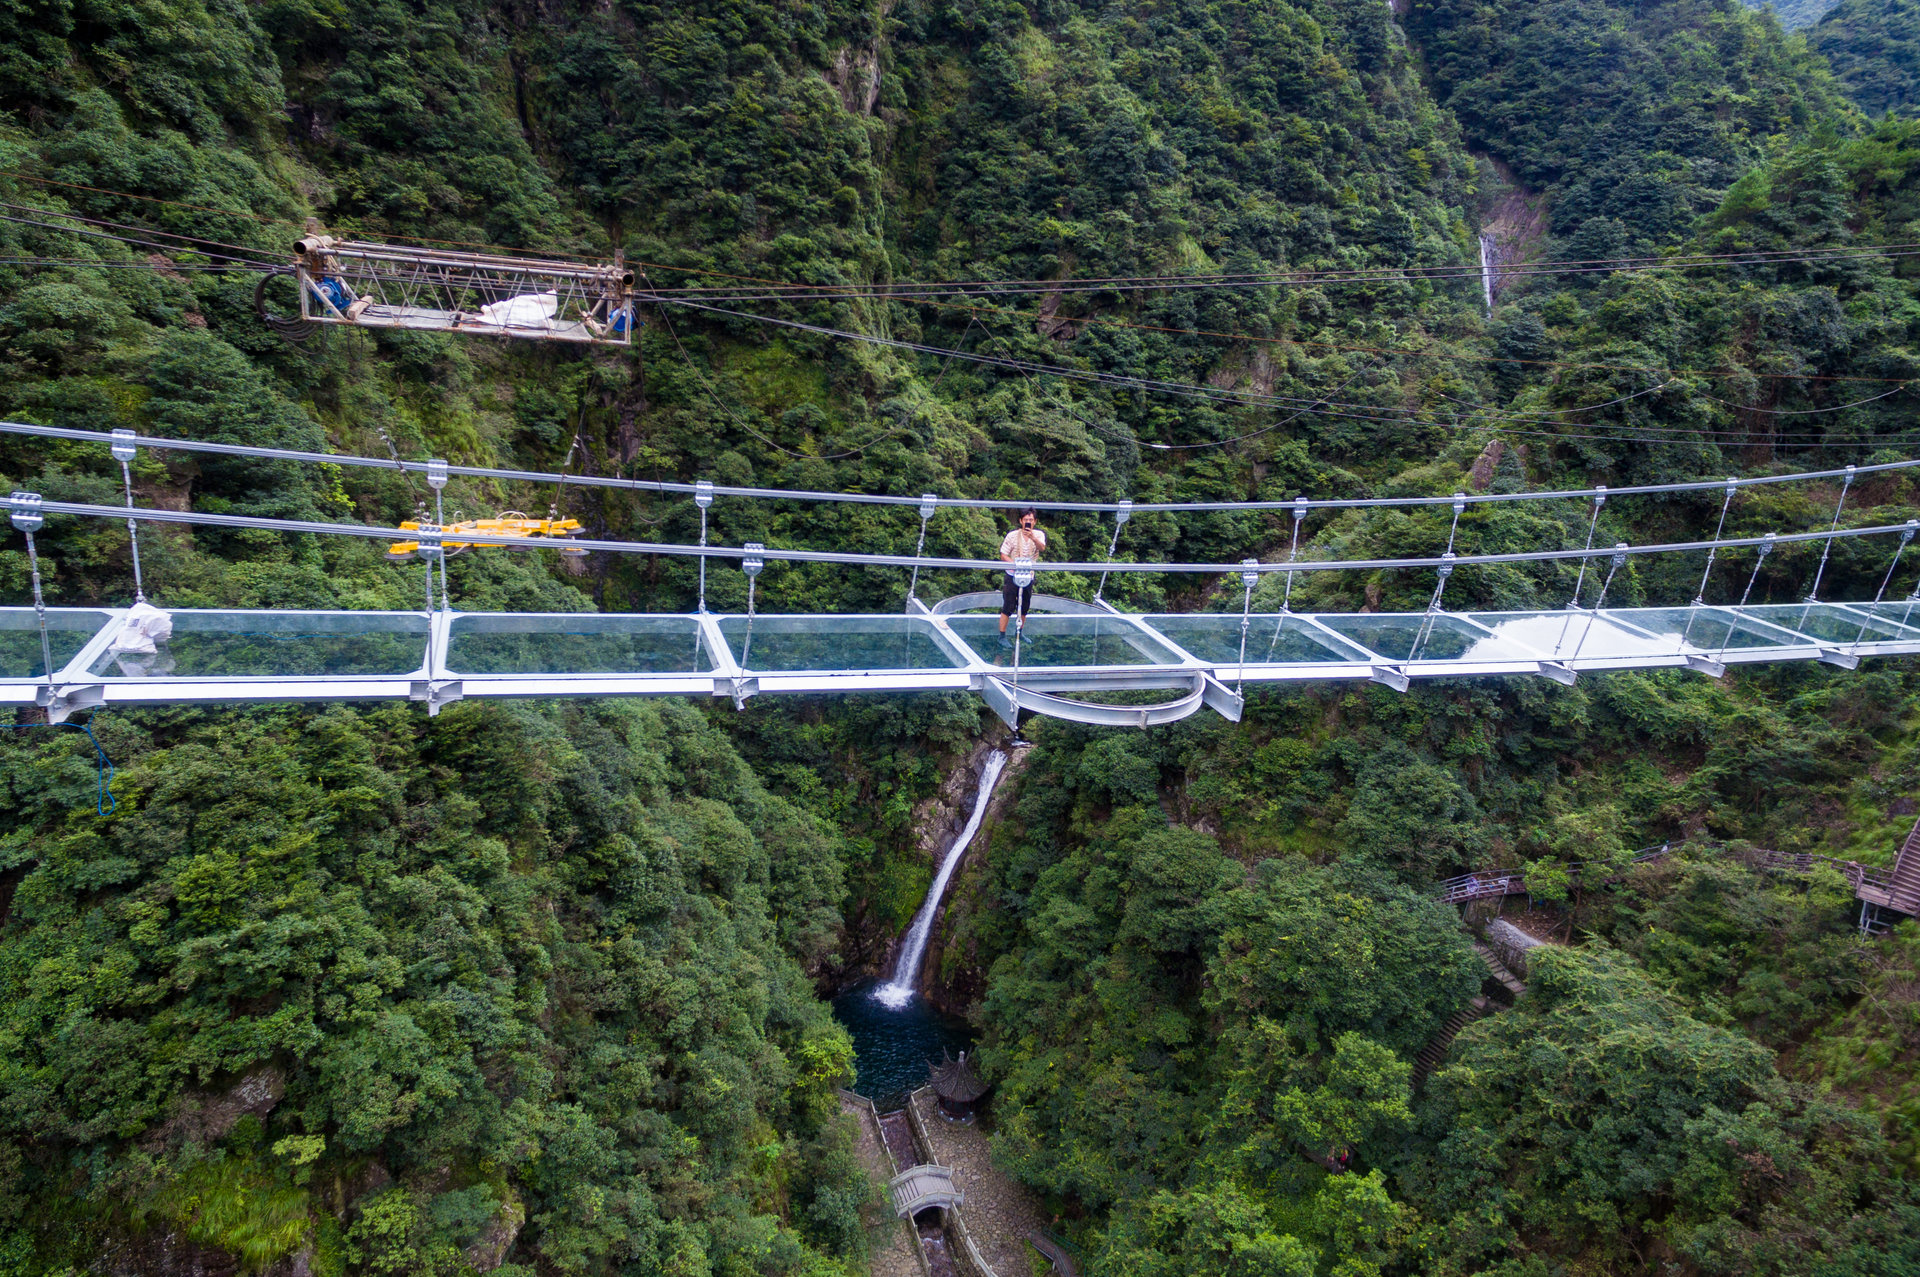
(715, 666)
(394, 286)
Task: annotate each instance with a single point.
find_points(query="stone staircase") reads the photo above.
(1435, 1051)
(1508, 980)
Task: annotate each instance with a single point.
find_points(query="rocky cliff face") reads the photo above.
(937, 820)
(950, 979)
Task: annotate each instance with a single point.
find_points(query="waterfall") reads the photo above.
(1486, 270)
(898, 991)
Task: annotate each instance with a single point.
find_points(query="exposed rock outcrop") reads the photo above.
(201, 1117)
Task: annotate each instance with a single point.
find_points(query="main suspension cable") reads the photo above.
(971, 503)
(312, 527)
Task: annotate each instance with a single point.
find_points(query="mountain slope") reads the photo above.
(1874, 48)
(532, 986)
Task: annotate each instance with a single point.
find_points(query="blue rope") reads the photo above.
(106, 804)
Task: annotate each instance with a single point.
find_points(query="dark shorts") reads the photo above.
(1012, 597)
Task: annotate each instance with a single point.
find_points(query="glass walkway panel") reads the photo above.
(1288, 645)
(571, 654)
(570, 643)
(1055, 641)
(277, 645)
(1574, 636)
(215, 656)
(68, 630)
(1442, 639)
(1076, 649)
(1835, 624)
(845, 653)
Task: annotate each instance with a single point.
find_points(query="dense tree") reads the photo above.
(1872, 46)
(533, 967)
(390, 990)
(1599, 1114)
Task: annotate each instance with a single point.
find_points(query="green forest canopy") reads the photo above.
(536, 990)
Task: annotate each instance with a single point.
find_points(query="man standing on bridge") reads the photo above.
(1024, 542)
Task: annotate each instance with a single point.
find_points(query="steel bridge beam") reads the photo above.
(1073, 660)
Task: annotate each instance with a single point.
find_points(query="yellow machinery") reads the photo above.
(511, 523)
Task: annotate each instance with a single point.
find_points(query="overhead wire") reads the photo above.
(1678, 431)
(1144, 282)
(1227, 335)
(1650, 433)
(127, 239)
(282, 221)
(1806, 412)
(268, 257)
(1324, 405)
(1606, 403)
(92, 263)
(1395, 274)
(727, 408)
(1464, 270)
(1359, 412)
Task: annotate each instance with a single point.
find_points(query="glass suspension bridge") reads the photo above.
(1067, 661)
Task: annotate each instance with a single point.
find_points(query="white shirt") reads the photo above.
(1022, 543)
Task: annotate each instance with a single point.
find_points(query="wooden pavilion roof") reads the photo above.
(955, 1081)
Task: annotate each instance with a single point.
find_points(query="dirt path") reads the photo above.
(889, 1239)
(999, 1212)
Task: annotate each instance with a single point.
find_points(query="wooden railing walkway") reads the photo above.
(1484, 883)
(1896, 890)
(1054, 1252)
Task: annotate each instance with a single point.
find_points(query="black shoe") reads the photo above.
(1006, 644)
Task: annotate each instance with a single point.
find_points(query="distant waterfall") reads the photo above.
(898, 991)
(1486, 269)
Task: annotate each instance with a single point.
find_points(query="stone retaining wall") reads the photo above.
(870, 1115)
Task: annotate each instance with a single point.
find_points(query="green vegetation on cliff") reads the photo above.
(535, 990)
(1874, 48)
(514, 969)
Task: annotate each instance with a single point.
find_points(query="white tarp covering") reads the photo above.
(146, 626)
(529, 310)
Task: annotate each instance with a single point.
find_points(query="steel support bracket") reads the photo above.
(1001, 701)
(1388, 676)
(437, 693)
(1705, 665)
(739, 687)
(1222, 699)
(59, 702)
(1558, 673)
(1834, 656)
